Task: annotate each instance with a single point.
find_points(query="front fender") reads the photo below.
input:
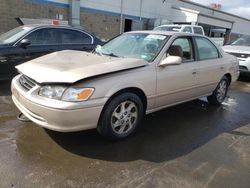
(123, 86)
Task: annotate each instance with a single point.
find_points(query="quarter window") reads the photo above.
(74, 37)
(206, 50)
(42, 37)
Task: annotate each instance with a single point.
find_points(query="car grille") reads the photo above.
(26, 82)
(240, 55)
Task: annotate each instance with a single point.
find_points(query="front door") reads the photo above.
(42, 42)
(177, 83)
(5, 62)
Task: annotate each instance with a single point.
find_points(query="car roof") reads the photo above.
(52, 26)
(169, 25)
(167, 33)
(180, 25)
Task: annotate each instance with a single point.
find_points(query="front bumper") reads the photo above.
(244, 65)
(57, 119)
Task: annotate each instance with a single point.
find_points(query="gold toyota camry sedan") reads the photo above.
(111, 89)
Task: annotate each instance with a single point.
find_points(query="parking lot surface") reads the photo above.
(189, 145)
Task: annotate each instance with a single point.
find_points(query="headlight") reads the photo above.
(77, 94)
(66, 94)
(52, 92)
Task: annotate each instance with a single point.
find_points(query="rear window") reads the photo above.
(69, 36)
(198, 30)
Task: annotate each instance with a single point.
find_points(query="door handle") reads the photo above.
(3, 60)
(194, 72)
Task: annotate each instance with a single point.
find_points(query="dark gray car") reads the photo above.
(31, 41)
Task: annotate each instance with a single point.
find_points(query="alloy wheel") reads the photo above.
(124, 117)
(221, 91)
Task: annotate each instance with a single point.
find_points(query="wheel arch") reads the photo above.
(135, 90)
(229, 77)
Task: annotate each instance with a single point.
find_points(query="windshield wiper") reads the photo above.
(111, 54)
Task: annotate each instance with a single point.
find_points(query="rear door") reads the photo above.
(43, 41)
(75, 40)
(5, 65)
(211, 66)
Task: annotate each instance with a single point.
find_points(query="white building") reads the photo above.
(107, 18)
(153, 12)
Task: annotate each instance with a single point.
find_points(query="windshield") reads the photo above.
(134, 45)
(14, 34)
(167, 28)
(242, 41)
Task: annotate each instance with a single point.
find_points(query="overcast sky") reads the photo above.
(237, 7)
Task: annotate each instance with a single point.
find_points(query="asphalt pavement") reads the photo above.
(190, 145)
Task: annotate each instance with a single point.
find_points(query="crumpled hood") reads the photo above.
(237, 49)
(70, 66)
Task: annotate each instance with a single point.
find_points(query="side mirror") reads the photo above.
(24, 43)
(98, 49)
(171, 60)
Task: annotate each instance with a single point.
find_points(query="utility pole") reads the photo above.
(74, 10)
(121, 21)
(140, 9)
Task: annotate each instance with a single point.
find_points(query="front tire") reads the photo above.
(121, 117)
(220, 92)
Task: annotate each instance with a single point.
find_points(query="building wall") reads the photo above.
(159, 10)
(103, 17)
(104, 26)
(240, 25)
(133, 8)
(11, 9)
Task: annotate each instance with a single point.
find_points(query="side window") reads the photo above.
(182, 47)
(198, 30)
(206, 49)
(43, 37)
(187, 30)
(69, 36)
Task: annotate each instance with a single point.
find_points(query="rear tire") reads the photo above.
(121, 117)
(219, 93)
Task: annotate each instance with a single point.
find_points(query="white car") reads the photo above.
(241, 49)
(181, 28)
